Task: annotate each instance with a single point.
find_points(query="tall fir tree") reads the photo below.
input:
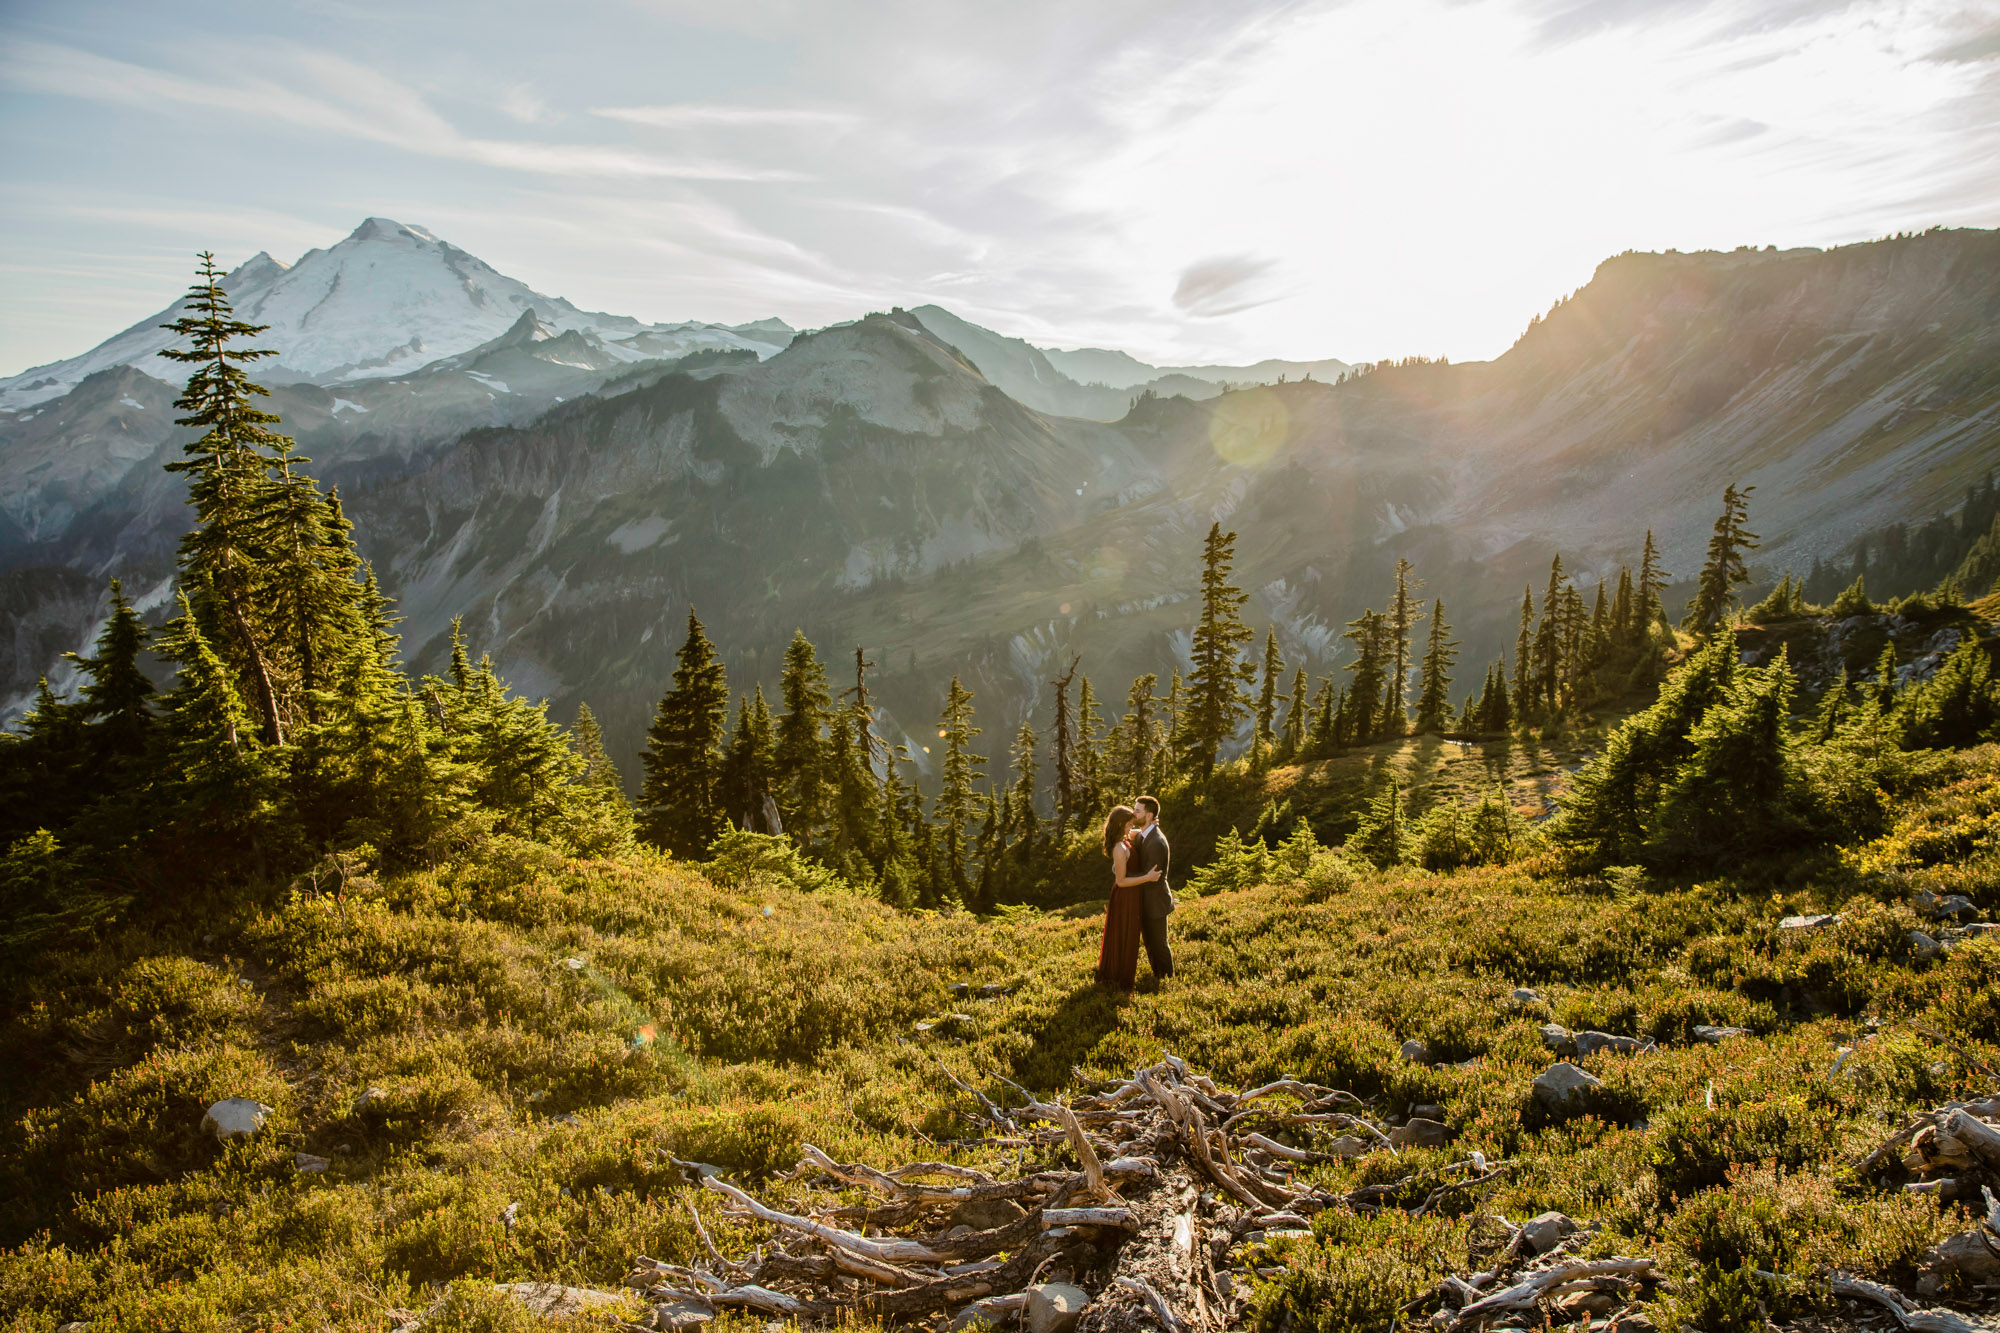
(805, 776)
(1139, 736)
(1404, 612)
(1324, 737)
(1652, 582)
(1090, 756)
(1715, 590)
(116, 699)
(1062, 738)
(1548, 645)
(598, 769)
(1370, 634)
(1292, 741)
(749, 769)
(1440, 651)
(1265, 740)
(224, 555)
(956, 801)
(1218, 693)
(1524, 659)
(681, 795)
(1026, 827)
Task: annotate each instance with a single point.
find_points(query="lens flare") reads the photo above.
(1249, 427)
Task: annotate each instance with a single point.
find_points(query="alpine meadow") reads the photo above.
(521, 818)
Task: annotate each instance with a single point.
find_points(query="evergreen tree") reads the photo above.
(1434, 696)
(1548, 645)
(1217, 688)
(1090, 757)
(956, 802)
(1882, 689)
(1139, 736)
(1715, 592)
(749, 770)
(1624, 612)
(1176, 745)
(1292, 742)
(1404, 612)
(1524, 664)
(221, 782)
(804, 768)
(681, 795)
(1265, 740)
(1324, 738)
(856, 852)
(1833, 705)
(1609, 816)
(1370, 634)
(225, 553)
(1025, 826)
(117, 698)
(1738, 790)
(1652, 582)
(989, 846)
(598, 770)
(1063, 740)
(1382, 837)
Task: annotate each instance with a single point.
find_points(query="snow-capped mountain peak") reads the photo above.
(386, 300)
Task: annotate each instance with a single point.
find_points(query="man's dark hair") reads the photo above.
(1150, 803)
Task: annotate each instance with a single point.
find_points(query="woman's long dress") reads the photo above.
(1118, 956)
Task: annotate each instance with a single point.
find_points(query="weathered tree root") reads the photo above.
(1172, 1174)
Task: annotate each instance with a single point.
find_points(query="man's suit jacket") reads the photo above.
(1153, 852)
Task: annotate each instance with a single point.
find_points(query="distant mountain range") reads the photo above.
(953, 500)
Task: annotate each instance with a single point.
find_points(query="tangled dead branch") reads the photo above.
(1159, 1183)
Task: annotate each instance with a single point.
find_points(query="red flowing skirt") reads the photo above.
(1118, 956)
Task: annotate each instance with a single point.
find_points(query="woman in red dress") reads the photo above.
(1118, 956)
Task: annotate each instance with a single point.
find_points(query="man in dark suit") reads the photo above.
(1151, 852)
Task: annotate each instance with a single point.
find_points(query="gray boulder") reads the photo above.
(233, 1116)
(1715, 1036)
(1590, 1043)
(1808, 924)
(1547, 1230)
(1922, 947)
(1420, 1133)
(307, 1162)
(1416, 1052)
(681, 1314)
(1525, 996)
(1055, 1307)
(1558, 1039)
(1560, 1085)
(552, 1300)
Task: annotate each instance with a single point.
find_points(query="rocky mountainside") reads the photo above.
(1093, 382)
(875, 485)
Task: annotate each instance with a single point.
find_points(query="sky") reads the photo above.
(1192, 182)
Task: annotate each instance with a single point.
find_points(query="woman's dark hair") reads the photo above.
(1115, 825)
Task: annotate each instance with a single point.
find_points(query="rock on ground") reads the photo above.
(1561, 1084)
(1590, 1043)
(1416, 1052)
(1547, 1230)
(680, 1314)
(232, 1116)
(552, 1300)
(1715, 1036)
(1055, 1307)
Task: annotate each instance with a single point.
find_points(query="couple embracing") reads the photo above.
(1140, 895)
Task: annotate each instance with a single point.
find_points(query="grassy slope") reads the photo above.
(447, 992)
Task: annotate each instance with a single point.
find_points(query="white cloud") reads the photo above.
(1416, 175)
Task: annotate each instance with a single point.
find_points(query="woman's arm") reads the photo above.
(1119, 855)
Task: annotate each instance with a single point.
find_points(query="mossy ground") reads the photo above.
(733, 1025)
